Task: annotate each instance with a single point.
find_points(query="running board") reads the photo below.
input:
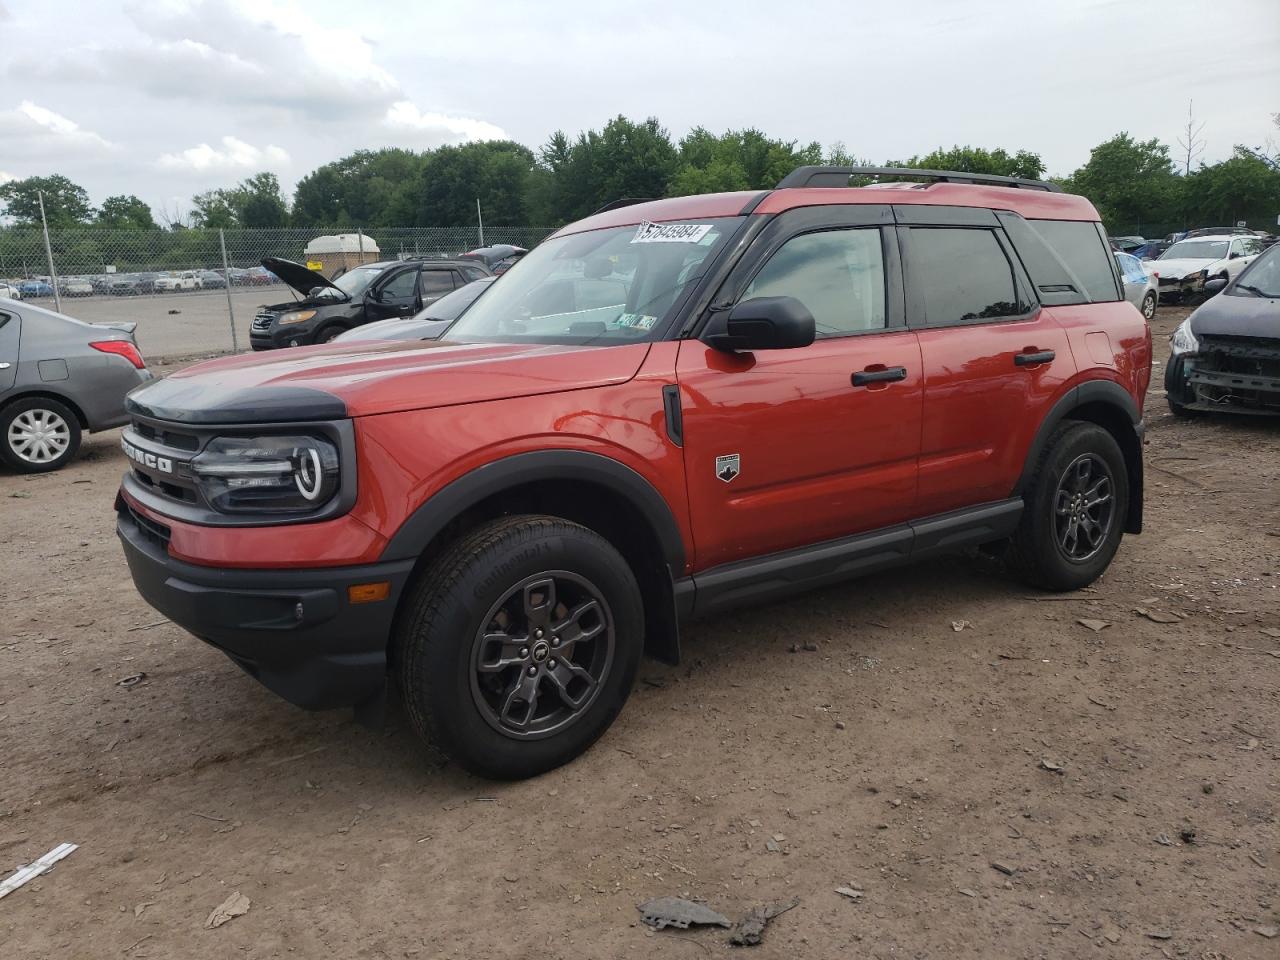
(791, 571)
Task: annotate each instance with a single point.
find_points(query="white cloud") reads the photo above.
(30, 131)
(435, 129)
(6, 177)
(234, 155)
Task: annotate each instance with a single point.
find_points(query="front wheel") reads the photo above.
(1149, 305)
(518, 646)
(1076, 508)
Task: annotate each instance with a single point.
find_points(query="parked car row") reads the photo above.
(135, 283)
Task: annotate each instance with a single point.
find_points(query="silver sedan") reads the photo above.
(60, 377)
(1141, 288)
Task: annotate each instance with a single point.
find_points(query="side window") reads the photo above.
(963, 275)
(473, 273)
(399, 287)
(1081, 247)
(436, 283)
(1131, 268)
(837, 274)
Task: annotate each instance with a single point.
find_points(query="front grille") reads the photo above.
(262, 322)
(165, 436)
(156, 533)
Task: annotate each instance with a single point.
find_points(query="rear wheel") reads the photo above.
(38, 435)
(1149, 305)
(518, 646)
(1076, 507)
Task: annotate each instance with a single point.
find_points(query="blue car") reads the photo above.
(35, 288)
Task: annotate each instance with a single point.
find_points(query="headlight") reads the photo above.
(296, 316)
(277, 474)
(1183, 340)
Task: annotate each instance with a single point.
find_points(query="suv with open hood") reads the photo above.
(371, 291)
(662, 411)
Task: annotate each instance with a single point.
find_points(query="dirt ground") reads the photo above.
(1125, 780)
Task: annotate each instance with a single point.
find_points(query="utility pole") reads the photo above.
(226, 274)
(48, 252)
(480, 221)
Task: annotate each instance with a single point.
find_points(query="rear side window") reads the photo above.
(962, 275)
(837, 274)
(1081, 246)
(436, 282)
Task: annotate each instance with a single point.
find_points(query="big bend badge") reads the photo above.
(727, 467)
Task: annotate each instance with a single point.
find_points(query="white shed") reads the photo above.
(337, 253)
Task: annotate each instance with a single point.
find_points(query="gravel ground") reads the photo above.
(1022, 787)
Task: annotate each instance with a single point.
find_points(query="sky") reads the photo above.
(166, 99)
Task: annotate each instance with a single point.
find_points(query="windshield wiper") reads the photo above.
(1253, 289)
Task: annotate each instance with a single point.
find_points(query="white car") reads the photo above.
(1141, 286)
(170, 282)
(10, 291)
(75, 287)
(1187, 265)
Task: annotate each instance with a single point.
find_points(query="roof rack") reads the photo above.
(622, 202)
(822, 176)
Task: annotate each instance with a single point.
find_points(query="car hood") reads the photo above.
(338, 379)
(408, 328)
(1179, 268)
(299, 277)
(1231, 316)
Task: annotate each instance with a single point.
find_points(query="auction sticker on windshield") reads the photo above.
(670, 232)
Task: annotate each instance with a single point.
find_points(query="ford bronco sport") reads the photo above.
(662, 411)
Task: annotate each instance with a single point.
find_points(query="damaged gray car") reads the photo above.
(1226, 356)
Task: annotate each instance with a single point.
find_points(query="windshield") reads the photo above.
(451, 305)
(600, 287)
(354, 282)
(1262, 277)
(1196, 250)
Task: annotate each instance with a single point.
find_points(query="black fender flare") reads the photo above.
(426, 522)
(1111, 394)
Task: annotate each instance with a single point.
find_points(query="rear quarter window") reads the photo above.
(1084, 250)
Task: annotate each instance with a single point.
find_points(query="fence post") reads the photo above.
(48, 252)
(226, 274)
(360, 241)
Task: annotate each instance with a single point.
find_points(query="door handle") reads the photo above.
(1027, 359)
(880, 375)
(5, 366)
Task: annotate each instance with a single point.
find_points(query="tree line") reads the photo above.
(1131, 182)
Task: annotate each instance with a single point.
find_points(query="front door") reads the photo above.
(790, 447)
(396, 296)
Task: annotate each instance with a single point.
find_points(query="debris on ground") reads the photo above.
(131, 681)
(1051, 766)
(1268, 930)
(34, 869)
(751, 928)
(958, 625)
(1157, 616)
(1188, 834)
(1273, 632)
(662, 912)
(236, 905)
(1004, 868)
(853, 893)
(1094, 625)
(1163, 840)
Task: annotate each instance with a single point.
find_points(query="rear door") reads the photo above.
(994, 359)
(435, 282)
(785, 448)
(10, 328)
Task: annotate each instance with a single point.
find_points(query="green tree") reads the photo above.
(968, 159)
(495, 172)
(368, 188)
(737, 160)
(625, 159)
(1130, 182)
(66, 204)
(214, 209)
(125, 212)
(260, 202)
(1244, 187)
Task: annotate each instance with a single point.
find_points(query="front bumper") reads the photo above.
(292, 630)
(1170, 287)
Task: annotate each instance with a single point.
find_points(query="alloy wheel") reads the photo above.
(541, 655)
(1084, 507)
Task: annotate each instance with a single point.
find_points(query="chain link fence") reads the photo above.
(189, 289)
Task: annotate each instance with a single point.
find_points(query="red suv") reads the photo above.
(662, 411)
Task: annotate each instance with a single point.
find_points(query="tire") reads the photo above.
(38, 435)
(1149, 306)
(1042, 550)
(327, 334)
(1178, 410)
(469, 634)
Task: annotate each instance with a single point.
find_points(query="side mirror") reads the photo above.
(764, 323)
(1234, 256)
(1214, 286)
